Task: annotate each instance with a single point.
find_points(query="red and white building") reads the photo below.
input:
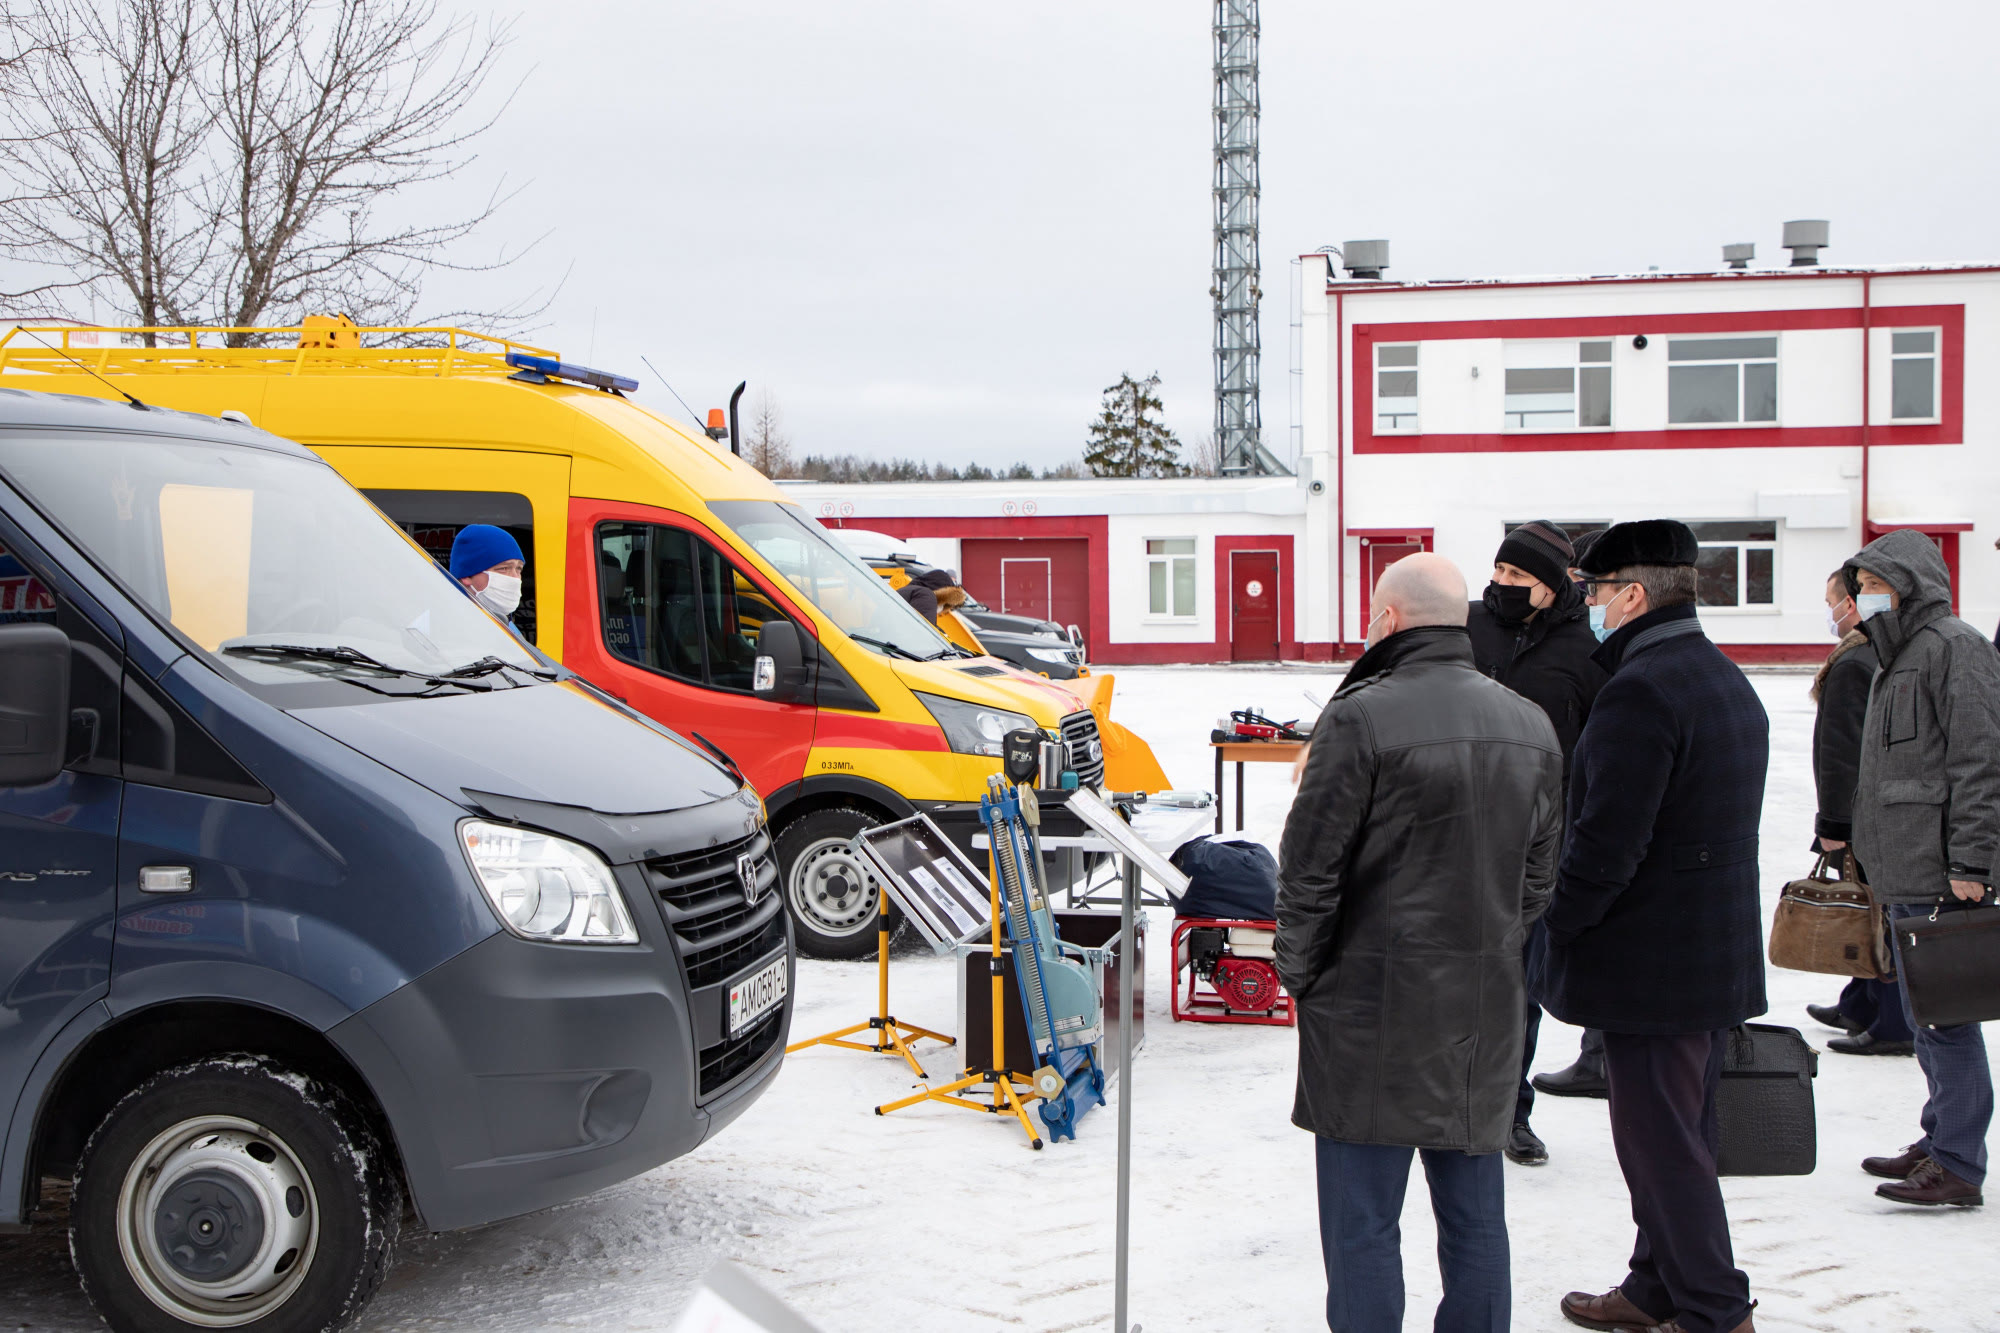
(1788, 414)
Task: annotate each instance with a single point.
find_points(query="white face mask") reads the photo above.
(1833, 623)
(501, 594)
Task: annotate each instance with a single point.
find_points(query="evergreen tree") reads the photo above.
(1128, 439)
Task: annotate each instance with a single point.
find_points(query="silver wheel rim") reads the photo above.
(831, 890)
(170, 1187)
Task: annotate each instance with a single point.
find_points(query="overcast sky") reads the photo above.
(940, 229)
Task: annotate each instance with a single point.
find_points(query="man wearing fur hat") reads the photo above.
(1654, 931)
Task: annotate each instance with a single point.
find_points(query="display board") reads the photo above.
(935, 884)
(1104, 820)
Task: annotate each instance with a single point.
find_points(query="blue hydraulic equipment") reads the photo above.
(1065, 1017)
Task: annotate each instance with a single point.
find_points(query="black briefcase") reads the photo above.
(1951, 965)
(1764, 1113)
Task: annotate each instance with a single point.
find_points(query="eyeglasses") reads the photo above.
(1590, 586)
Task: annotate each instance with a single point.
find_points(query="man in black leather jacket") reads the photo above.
(1530, 632)
(1419, 848)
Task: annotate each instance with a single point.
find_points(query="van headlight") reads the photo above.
(974, 728)
(546, 888)
(1057, 655)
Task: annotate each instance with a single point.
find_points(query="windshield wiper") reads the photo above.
(342, 655)
(893, 649)
(320, 653)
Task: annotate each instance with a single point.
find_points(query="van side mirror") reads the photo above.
(781, 665)
(34, 704)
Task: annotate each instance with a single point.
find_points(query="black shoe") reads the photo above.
(1831, 1016)
(1579, 1080)
(1864, 1043)
(1524, 1148)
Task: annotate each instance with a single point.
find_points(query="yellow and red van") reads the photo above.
(661, 568)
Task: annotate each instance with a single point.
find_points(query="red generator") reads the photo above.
(1223, 973)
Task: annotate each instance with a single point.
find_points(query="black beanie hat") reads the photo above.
(1584, 541)
(1541, 548)
(1650, 541)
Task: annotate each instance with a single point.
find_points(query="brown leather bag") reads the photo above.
(1832, 924)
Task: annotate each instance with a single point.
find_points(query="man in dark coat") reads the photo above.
(1529, 632)
(1418, 850)
(1654, 928)
(923, 588)
(1927, 827)
(1869, 1012)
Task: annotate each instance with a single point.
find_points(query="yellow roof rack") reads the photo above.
(313, 348)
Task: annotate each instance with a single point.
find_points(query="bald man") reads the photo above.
(1419, 849)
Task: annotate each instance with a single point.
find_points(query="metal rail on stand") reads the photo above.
(1127, 909)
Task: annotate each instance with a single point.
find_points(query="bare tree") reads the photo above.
(765, 445)
(1205, 456)
(105, 152)
(242, 162)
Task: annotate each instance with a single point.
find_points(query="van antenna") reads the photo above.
(699, 423)
(64, 351)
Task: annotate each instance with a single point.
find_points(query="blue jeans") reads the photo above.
(1959, 1110)
(1361, 1188)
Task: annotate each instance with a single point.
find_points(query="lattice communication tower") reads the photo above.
(1238, 412)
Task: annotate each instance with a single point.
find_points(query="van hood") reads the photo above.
(550, 743)
(971, 679)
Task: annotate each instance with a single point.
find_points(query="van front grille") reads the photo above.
(720, 929)
(723, 1062)
(717, 925)
(1086, 752)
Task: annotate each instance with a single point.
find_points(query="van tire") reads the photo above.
(821, 880)
(245, 1133)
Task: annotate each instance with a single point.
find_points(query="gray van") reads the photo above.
(327, 905)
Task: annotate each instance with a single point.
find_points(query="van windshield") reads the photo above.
(249, 550)
(852, 595)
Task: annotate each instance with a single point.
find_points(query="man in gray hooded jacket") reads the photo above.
(1927, 826)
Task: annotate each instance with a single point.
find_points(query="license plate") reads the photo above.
(754, 996)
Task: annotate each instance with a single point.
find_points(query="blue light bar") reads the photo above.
(551, 368)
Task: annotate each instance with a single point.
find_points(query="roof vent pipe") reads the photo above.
(1739, 256)
(1805, 239)
(1365, 259)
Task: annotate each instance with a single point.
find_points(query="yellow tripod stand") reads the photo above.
(890, 1034)
(1006, 1092)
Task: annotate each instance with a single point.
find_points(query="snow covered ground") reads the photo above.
(939, 1218)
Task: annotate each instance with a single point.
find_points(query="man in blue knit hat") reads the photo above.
(488, 561)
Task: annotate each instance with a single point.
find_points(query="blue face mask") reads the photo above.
(1597, 625)
(1868, 605)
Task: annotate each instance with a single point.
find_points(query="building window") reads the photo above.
(1913, 367)
(1396, 388)
(1568, 389)
(1738, 565)
(1720, 381)
(1170, 576)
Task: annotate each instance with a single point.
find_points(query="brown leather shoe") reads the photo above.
(1897, 1167)
(1932, 1186)
(1610, 1313)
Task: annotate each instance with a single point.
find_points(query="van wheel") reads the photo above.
(833, 899)
(232, 1193)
